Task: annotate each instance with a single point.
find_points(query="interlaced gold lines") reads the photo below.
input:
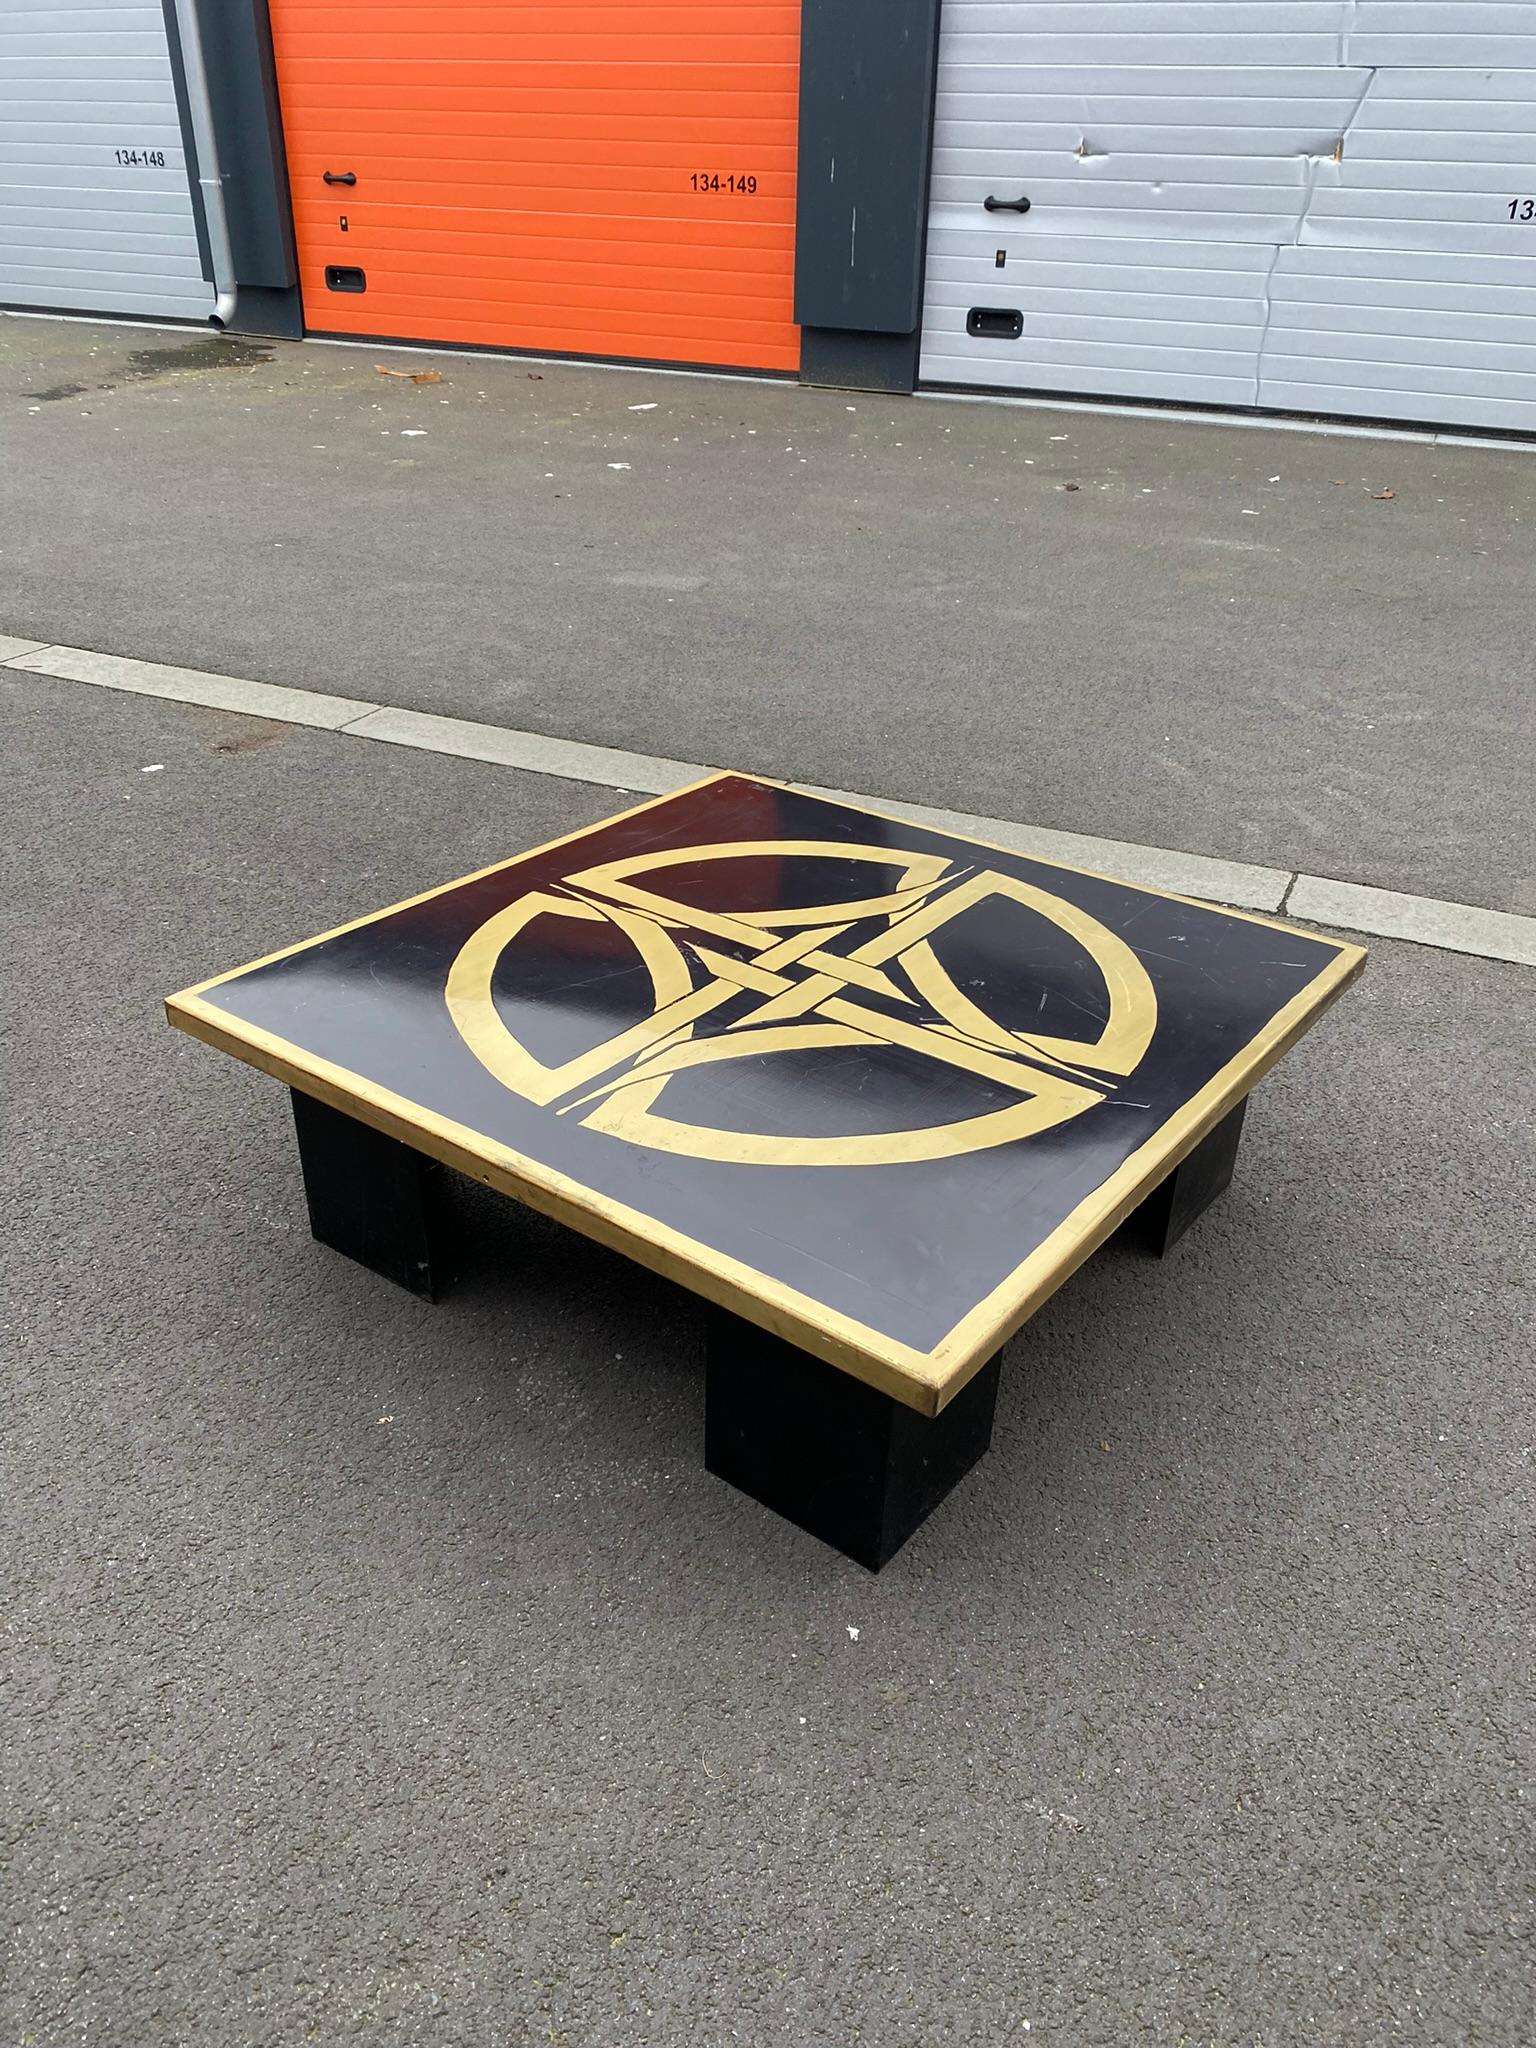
(815, 993)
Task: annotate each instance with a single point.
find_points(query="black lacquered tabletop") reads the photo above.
(876, 1078)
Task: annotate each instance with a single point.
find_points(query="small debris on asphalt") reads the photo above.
(411, 376)
(1381, 497)
(255, 734)
(1069, 1821)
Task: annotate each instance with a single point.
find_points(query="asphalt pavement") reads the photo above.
(1310, 652)
(395, 1674)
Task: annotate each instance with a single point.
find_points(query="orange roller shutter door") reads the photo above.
(609, 180)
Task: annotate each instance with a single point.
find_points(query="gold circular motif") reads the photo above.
(886, 989)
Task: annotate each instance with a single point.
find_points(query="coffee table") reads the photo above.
(873, 1090)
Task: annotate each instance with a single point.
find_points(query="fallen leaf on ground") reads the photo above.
(1380, 497)
(411, 376)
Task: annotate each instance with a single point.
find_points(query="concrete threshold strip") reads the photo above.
(1379, 913)
(1214, 416)
(1038, 401)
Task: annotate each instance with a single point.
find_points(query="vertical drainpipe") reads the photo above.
(200, 110)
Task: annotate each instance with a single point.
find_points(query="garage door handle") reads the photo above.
(1005, 205)
(350, 178)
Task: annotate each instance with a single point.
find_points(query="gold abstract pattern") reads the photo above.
(818, 989)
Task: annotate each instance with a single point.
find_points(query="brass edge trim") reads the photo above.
(957, 1357)
(839, 1340)
(442, 888)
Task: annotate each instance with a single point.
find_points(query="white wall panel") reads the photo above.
(1242, 202)
(84, 91)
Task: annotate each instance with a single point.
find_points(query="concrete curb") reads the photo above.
(1421, 920)
(1473, 929)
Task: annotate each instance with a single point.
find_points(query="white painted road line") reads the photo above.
(1354, 906)
(194, 686)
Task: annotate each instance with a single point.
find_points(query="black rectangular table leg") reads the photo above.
(1161, 1220)
(841, 1459)
(367, 1194)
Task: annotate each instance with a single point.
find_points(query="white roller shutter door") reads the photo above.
(1307, 205)
(95, 201)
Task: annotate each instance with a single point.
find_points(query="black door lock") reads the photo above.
(340, 177)
(1005, 205)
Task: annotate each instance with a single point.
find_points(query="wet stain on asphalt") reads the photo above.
(145, 365)
(210, 352)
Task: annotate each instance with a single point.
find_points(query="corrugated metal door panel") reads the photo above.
(1411, 292)
(1443, 34)
(1211, 224)
(1160, 32)
(549, 177)
(96, 208)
